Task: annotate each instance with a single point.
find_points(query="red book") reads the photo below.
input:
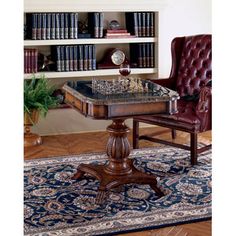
(27, 61)
(25, 58)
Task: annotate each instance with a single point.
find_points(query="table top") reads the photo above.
(83, 90)
(157, 99)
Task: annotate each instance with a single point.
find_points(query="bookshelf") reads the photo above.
(111, 11)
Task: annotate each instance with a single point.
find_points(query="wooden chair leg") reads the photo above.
(193, 146)
(173, 133)
(135, 134)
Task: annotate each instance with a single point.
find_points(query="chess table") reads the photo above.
(119, 169)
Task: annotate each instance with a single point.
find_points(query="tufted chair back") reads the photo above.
(194, 65)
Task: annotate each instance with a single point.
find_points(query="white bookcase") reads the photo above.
(60, 121)
(112, 10)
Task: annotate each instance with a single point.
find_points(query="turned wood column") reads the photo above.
(118, 149)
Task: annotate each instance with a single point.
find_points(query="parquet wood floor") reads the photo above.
(57, 145)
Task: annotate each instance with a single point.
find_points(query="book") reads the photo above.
(31, 60)
(63, 62)
(152, 24)
(90, 57)
(144, 56)
(143, 24)
(152, 59)
(140, 57)
(93, 24)
(93, 57)
(101, 25)
(39, 26)
(56, 55)
(71, 25)
(133, 54)
(44, 26)
(139, 21)
(53, 26)
(67, 58)
(31, 26)
(76, 21)
(48, 25)
(62, 25)
(34, 26)
(71, 58)
(148, 30)
(75, 57)
(131, 19)
(26, 60)
(57, 36)
(35, 60)
(66, 26)
(80, 57)
(148, 58)
(85, 59)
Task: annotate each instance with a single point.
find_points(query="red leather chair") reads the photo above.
(191, 77)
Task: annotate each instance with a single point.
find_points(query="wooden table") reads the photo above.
(120, 169)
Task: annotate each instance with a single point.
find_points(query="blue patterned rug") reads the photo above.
(56, 205)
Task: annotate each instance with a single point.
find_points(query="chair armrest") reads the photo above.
(204, 102)
(203, 108)
(168, 82)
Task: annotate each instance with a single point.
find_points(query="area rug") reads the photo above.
(54, 204)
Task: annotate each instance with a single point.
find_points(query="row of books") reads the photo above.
(142, 55)
(42, 26)
(74, 57)
(52, 26)
(30, 60)
(96, 24)
(140, 24)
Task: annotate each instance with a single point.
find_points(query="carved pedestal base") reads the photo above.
(119, 170)
(108, 181)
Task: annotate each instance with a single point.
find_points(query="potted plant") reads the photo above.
(38, 98)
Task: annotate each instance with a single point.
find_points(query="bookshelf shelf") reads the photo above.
(105, 72)
(90, 41)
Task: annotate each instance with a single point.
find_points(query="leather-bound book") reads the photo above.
(93, 57)
(57, 26)
(75, 57)
(80, 57)
(39, 26)
(48, 25)
(53, 26)
(85, 57)
(66, 26)
(71, 25)
(44, 26)
(131, 19)
(62, 25)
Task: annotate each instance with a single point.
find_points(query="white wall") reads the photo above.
(176, 18)
(180, 18)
